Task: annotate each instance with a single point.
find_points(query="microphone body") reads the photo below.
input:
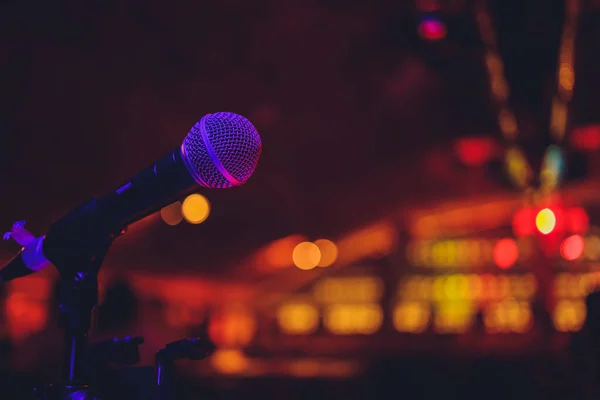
(74, 235)
(220, 151)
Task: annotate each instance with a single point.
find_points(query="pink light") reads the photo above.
(572, 247)
(432, 29)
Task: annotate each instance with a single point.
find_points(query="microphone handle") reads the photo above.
(75, 235)
(160, 184)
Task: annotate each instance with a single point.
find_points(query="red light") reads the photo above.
(474, 151)
(506, 253)
(524, 222)
(586, 138)
(572, 247)
(577, 220)
(432, 29)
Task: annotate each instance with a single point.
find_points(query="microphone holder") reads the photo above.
(190, 348)
(78, 298)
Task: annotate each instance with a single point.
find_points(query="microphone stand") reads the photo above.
(190, 348)
(78, 298)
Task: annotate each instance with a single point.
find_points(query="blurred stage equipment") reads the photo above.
(220, 151)
(137, 383)
(191, 349)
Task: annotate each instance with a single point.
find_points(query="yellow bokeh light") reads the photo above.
(456, 287)
(306, 255)
(508, 315)
(569, 315)
(171, 214)
(453, 316)
(195, 208)
(229, 361)
(361, 289)
(353, 319)
(450, 253)
(298, 318)
(545, 221)
(518, 167)
(328, 250)
(412, 317)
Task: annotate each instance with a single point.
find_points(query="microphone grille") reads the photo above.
(222, 150)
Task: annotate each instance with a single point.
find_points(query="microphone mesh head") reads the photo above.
(221, 150)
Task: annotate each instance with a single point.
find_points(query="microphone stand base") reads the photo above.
(69, 391)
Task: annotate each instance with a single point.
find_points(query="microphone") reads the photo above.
(220, 151)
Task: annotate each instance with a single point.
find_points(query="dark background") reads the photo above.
(357, 113)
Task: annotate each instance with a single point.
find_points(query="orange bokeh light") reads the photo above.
(306, 255)
(171, 214)
(195, 208)
(328, 250)
(278, 254)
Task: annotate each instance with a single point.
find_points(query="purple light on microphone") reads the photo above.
(221, 150)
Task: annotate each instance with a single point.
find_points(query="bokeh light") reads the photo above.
(577, 220)
(453, 316)
(353, 319)
(545, 221)
(591, 247)
(432, 29)
(508, 315)
(516, 163)
(328, 250)
(278, 254)
(524, 222)
(569, 315)
(572, 247)
(474, 151)
(411, 316)
(506, 253)
(586, 138)
(350, 289)
(26, 309)
(233, 326)
(306, 255)
(195, 208)
(298, 318)
(171, 214)
(229, 361)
